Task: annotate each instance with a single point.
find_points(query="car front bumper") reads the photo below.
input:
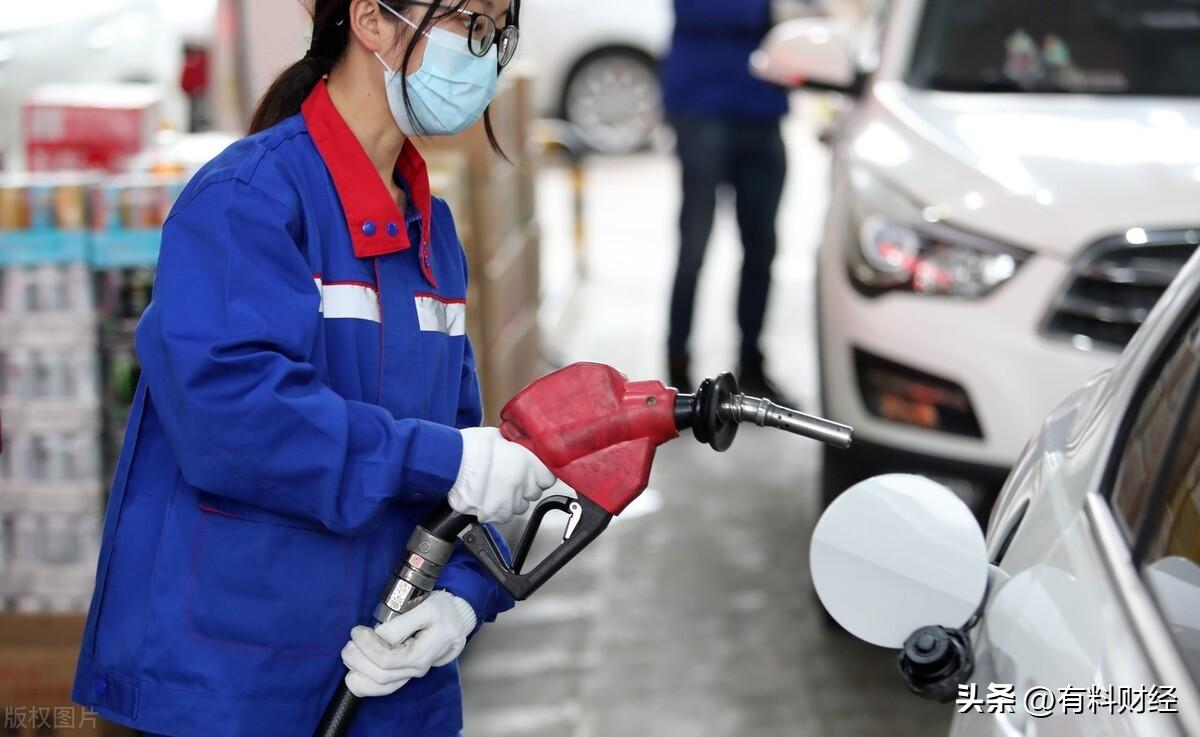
(994, 349)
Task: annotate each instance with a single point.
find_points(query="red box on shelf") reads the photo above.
(89, 127)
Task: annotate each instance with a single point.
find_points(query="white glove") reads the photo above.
(430, 635)
(497, 479)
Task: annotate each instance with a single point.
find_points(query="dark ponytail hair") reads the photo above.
(330, 38)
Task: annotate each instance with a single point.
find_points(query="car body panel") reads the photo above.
(1057, 625)
(1058, 615)
(1062, 166)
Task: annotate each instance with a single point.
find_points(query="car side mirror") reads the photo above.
(808, 52)
(899, 561)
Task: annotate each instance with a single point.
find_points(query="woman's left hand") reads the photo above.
(431, 635)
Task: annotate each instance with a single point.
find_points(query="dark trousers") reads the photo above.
(750, 158)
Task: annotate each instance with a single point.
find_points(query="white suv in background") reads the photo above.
(1014, 187)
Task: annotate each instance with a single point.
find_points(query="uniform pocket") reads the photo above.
(273, 585)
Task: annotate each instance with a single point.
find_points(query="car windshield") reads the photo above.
(1122, 47)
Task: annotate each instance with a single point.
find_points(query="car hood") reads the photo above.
(1052, 173)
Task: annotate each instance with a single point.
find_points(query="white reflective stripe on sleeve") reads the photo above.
(438, 316)
(340, 301)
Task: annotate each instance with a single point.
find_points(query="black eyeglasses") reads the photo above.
(482, 33)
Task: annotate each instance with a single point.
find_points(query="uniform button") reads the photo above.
(368, 228)
(393, 229)
(99, 685)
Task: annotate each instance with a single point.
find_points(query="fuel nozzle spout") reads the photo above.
(717, 408)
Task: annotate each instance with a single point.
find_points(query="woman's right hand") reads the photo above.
(498, 479)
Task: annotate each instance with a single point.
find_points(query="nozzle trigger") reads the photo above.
(587, 520)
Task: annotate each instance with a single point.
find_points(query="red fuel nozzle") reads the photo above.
(594, 428)
(598, 432)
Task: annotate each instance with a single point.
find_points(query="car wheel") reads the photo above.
(614, 99)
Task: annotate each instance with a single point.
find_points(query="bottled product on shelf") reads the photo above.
(77, 258)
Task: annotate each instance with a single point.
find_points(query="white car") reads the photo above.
(194, 20)
(82, 42)
(596, 66)
(1013, 188)
(1093, 592)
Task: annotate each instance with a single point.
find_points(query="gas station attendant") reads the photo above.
(308, 394)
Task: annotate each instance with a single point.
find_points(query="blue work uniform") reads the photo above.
(305, 365)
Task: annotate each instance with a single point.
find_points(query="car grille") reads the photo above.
(1115, 284)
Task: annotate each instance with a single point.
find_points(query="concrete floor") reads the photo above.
(693, 615)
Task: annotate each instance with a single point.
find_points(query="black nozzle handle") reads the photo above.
(529, 536)
(446, 524)
(592, 520)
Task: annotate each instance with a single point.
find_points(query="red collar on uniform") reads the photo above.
(377, 226)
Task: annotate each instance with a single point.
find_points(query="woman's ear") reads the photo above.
(368, 25)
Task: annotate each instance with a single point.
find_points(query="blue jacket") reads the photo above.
(707, 71)
(305, 366)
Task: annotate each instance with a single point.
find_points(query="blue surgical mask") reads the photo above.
(451, 90)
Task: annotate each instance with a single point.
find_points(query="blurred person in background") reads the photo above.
(727, 126)
(308, 395)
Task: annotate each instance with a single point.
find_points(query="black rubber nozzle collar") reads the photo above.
(702, 412)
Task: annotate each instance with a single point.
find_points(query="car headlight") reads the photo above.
(913, 252)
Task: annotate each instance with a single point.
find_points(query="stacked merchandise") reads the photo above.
(50, 473)
(76, 267)
(76, 264)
